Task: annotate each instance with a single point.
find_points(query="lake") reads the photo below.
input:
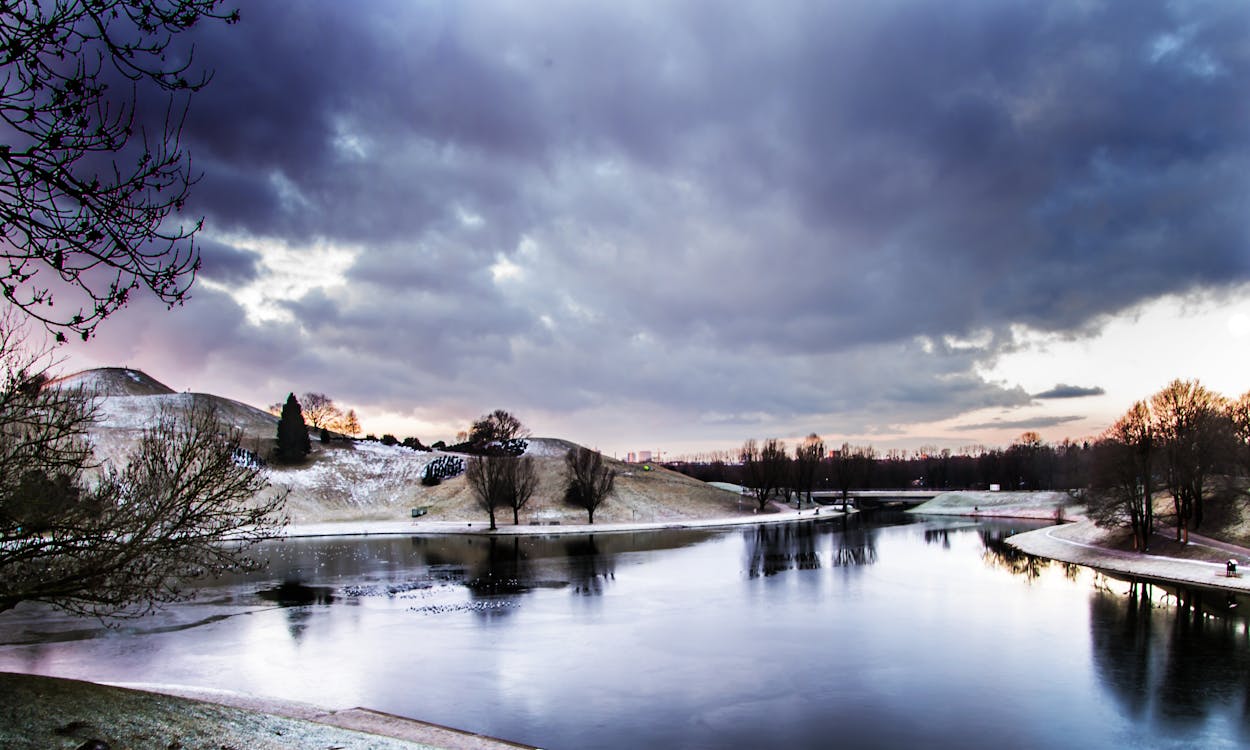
(876, 631)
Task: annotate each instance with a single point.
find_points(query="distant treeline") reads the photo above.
(1029, 464)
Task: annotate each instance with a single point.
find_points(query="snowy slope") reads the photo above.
(348, 480)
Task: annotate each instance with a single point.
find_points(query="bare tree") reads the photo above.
(523, 481)
(319, 410)
(1122, 489)
(89, 193)
(323, 414)
(765, 468)
(121, 543)
(588, 482)
(1239, 417)
(852, 467)
(1193, 430)
(807, 457)
(497, 427)
(486, 476)
(350, 425)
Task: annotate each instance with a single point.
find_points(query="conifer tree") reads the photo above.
(293, 442)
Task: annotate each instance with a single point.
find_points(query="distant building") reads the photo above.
(644, 456)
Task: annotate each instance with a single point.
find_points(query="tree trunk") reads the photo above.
(492, 519)
(591, 512)
(516, 521)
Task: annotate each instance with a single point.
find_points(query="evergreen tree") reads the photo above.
(293, 442)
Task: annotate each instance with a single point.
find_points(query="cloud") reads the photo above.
(1036, 423)
(784, 213)
(1063, 390)
(225, 264)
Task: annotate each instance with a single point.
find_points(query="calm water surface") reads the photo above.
(884, 633)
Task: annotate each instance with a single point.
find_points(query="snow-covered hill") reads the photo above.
(359, 480)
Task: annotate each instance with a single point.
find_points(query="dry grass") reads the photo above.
(342, 482)
(43, 713)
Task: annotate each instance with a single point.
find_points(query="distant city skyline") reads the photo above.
(683, 225)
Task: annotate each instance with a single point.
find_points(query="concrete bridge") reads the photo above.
(870, 499)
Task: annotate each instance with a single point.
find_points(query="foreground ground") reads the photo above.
(46, 713)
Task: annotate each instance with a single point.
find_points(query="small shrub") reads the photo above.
(414, 444)
(443, 467)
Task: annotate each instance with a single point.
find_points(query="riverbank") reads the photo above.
(1202, 562)
(776, 513)
(50, 713)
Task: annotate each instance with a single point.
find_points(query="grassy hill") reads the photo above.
(357, 480)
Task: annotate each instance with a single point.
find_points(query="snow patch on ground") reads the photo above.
(1014, 504)
(138, 412)
(547, 447)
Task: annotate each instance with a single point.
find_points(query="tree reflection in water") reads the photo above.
(854, 543)
(774, 548)
(296, 599)
(589, 569)
(503, 570)
(939, 536)
(999, 554)
(1173, 655)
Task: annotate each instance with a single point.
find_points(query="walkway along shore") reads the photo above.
(1079, 543)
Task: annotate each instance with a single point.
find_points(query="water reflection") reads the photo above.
(940, 536)
(773, 548)
(504, 569)
(999, 554)
(1174, 656)
(854, 544)
(294, 593)
(297, 598)
(925, 614)
(589, 569)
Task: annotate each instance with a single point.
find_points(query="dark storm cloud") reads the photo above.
(725, 209)
(1063, 390)
(225, 264)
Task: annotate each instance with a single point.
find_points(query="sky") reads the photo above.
(673, 226)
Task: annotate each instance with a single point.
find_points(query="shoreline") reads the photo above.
(46, 711)
(777, 514)
(1078, 543)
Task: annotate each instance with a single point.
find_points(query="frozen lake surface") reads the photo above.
(886, 633)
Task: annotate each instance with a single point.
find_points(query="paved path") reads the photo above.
(1078, 543)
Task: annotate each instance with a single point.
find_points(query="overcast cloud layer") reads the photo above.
(694, 221)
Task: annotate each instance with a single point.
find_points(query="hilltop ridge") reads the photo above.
(113, 381)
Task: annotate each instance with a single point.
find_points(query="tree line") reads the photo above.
(1185, 440)
(1028, 464)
